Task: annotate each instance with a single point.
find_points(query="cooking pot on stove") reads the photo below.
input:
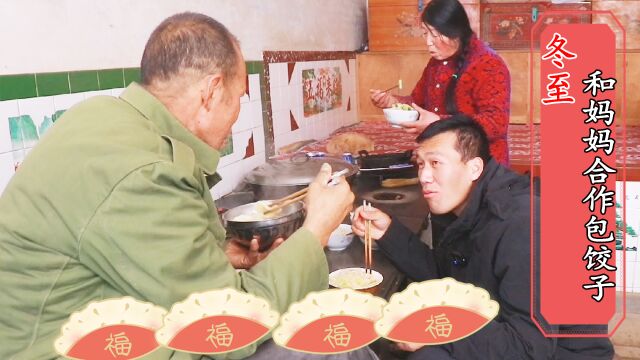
(388, 165)
(278, 178)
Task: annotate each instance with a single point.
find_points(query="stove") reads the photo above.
(405, 203)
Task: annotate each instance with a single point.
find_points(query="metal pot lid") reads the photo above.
(299, 170)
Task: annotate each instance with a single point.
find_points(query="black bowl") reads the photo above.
(267, 231)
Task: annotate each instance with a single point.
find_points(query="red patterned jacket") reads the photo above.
(483, 92)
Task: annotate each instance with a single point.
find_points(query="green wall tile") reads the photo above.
(131, 75)
(83, 81)
(111, 79)
(254, 67)
(258, 67)
(52, 83)
(17, 86)
(228, 147)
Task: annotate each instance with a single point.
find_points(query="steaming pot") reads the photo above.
(278, 178)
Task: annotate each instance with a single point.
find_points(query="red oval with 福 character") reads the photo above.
(218, 334)
(334, 334)
(437, 325)
(114, 342)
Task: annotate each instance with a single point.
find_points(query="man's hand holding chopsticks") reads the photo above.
(379, 222)
(327, 204)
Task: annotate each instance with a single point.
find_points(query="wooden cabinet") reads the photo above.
(381, 70)
(394, 25)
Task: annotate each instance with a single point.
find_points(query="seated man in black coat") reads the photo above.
(485, 241)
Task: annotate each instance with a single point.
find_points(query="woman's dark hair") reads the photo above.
(472, 140)
(450, 19)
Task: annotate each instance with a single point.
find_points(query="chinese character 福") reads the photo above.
(440, 324)
(118, 344)
(220, 335)
(337, 335)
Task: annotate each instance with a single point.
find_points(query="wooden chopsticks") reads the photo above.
(398, 85)
(368, 254)
(278, 204)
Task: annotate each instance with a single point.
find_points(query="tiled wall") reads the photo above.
(632, 263)
(31, 103)
(297, 116)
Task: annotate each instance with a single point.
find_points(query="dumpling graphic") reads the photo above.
(436, 312)
(329, 322)
(122, 328)
(216, 321)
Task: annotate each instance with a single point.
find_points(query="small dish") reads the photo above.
(340, 238)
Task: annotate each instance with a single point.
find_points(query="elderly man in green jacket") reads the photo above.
(114, 200)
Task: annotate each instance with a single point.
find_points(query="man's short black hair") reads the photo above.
(471, 142)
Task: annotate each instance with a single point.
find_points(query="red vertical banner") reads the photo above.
(577, 261)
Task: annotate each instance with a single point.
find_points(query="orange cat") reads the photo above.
(349, 142)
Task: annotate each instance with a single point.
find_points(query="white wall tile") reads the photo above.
(214, 193)
(254, 87)
(277, 101)
(296, 75)
(283, 139)
(259, 140)
(278, 74)
(90, 94)
(256, 113)
(228, 174)
(116, 92)
(65, 101)
(244, 121)
(7, 109)
(6, 169)
(223, 187)
(632, 267)
(634, 276)
(38, 108)
(259, 159)
(281, 122)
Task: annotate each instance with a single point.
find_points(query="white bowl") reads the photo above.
(340, 238)
(397, 116)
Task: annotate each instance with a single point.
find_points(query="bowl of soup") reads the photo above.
(245, 222)
(357, 279)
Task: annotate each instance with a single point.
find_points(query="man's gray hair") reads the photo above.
(189, 41)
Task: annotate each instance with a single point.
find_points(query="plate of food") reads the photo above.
(356, 279)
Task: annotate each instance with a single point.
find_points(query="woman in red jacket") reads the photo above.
(463, 75)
